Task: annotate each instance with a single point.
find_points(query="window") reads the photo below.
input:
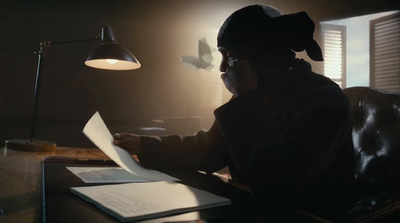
(363, 51)
(334, 45)
(385, 53)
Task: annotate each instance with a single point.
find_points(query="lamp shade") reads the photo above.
(109, 55)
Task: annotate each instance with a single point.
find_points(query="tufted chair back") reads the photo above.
(376, 138)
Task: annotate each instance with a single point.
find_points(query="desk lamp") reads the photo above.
(108, 55)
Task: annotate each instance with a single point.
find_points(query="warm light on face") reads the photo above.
(111, 61)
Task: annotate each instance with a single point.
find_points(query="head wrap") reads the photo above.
(262, 31)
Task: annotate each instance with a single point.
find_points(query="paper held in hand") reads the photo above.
(138, 201)
(97, 131)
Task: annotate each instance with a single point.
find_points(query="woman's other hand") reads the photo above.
(128, 141)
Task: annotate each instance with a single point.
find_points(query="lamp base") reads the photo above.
(30, 146)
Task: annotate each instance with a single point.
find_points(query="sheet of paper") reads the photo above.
(97, 131)
(135, 201)
(105, 175)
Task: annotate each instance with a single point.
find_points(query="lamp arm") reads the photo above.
(74, 41)
(41, 54)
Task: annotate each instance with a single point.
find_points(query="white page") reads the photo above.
(135, 201)
(97, 131)
(105, 175)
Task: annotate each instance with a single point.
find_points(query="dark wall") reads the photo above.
(157, 32)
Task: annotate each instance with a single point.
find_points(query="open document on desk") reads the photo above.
(137, 201)
(97, 131)
(105, 175)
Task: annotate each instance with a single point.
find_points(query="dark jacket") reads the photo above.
(296, 148)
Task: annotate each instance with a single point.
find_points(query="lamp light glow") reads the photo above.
(110, 56)
(111, 61)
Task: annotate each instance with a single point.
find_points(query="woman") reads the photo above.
(286, 132)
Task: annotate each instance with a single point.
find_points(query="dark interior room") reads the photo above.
(163, 93)
(176, 91)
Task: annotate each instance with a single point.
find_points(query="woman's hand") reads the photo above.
(129, 142)
(239, 77)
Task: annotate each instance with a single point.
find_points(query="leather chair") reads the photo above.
(376, 138)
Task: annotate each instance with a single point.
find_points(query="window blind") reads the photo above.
(334, 46)
(385, 53)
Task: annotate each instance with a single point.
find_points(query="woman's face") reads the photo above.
(228, 58)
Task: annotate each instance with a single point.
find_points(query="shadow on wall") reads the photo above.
(71, 92)
(157, 32)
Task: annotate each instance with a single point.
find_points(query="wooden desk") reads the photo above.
(20, 181)
(20, 191)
